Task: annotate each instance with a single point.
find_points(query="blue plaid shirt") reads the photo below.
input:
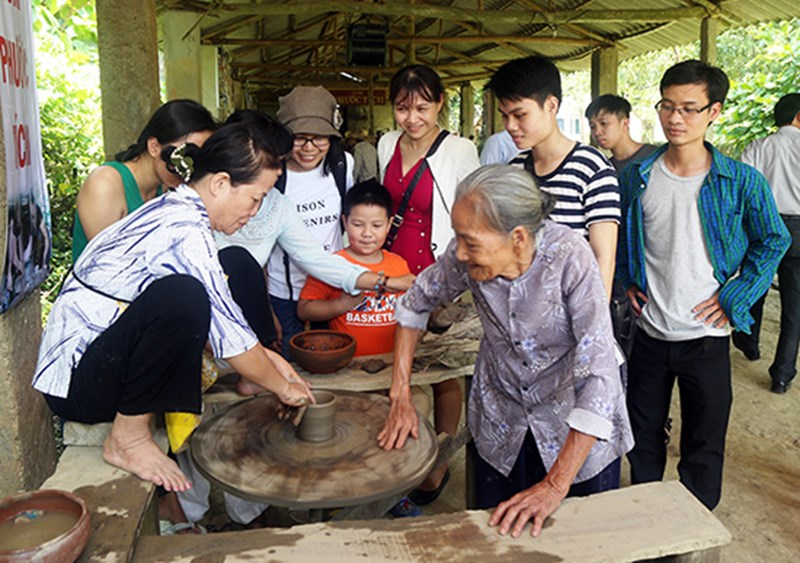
(743, 232)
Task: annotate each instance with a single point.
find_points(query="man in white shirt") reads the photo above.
(777, 157)
(499, 149)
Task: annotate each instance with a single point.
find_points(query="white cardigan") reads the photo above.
(455, 158)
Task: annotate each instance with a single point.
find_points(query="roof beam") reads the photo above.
(401, 9)
(521, 39)
(351, 68)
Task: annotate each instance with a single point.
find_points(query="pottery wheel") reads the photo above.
(248, 452)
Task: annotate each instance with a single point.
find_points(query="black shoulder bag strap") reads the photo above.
(340, 175)
(528, 164)
(280, 183)
(397, 220)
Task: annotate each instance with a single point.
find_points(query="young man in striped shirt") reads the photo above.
(528, 95)
(700, 240)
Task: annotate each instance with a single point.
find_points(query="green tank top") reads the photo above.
(133, 200)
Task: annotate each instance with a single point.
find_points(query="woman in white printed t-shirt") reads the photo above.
(318, 172)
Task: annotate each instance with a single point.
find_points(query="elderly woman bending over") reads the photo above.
(547, 409)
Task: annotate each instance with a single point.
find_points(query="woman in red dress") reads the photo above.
(417, 96)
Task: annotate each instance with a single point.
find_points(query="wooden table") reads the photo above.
(630, 524)
(351, 378)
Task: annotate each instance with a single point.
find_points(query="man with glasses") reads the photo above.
(699, 243)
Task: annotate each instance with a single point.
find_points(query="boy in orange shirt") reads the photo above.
(368, 317)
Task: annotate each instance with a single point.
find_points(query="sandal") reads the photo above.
(421, 498)
(181, 528)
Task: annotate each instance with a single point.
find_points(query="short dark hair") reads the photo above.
(416, 79)
(370, 192)
(275, 133)
(241, 149)
(170, 122)
(609, 103)
(786, 109)
(531, 77)
(698, 72)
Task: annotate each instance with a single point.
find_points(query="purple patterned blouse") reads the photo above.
(547, 358)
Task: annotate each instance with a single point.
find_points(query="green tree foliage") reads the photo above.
(761, 61)
(69, 103)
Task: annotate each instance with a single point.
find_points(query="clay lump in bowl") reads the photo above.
(322, 351)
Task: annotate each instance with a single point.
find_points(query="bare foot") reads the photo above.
(142, 457)
(247, 387)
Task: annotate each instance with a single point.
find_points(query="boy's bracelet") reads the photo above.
(380, 283)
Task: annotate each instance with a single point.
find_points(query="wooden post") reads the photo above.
(182, 61)
(411, 55)
(371, 104)
(708, 41)
(128, 54)
(491, 116)
(605, 63)
(467, 110)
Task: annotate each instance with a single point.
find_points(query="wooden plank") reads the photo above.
(351, 379)
(118, 501)
(640, 522)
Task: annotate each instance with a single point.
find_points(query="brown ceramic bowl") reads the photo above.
(45, 525)
(322, 351)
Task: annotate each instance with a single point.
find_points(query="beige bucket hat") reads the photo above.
(310, 109)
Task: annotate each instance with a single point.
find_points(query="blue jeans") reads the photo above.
(286, 311)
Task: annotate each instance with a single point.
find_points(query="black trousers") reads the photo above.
(702, 368)
(492, 487)
(784, 365)
(147, 361)
(248, 286)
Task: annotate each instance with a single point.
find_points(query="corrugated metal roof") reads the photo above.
(276, 44)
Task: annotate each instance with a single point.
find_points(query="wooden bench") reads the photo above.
(635, 523)
(121, 505)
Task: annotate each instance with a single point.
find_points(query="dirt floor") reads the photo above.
(761, 488)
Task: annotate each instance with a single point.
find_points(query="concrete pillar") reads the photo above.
(605, 63)
(182, 55)
(467, 110)
(708, 41)
(128, 52)
(27, 447)
(209, 80)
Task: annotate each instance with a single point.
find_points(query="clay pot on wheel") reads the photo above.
(319, 420)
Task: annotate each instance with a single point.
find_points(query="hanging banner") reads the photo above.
(28, 240)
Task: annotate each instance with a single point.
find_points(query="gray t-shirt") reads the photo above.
(679, 271)
(643, 152)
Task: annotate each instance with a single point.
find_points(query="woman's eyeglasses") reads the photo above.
(318, 141)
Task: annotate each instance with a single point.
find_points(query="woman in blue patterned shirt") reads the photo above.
(547, 408)
(125, 337)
